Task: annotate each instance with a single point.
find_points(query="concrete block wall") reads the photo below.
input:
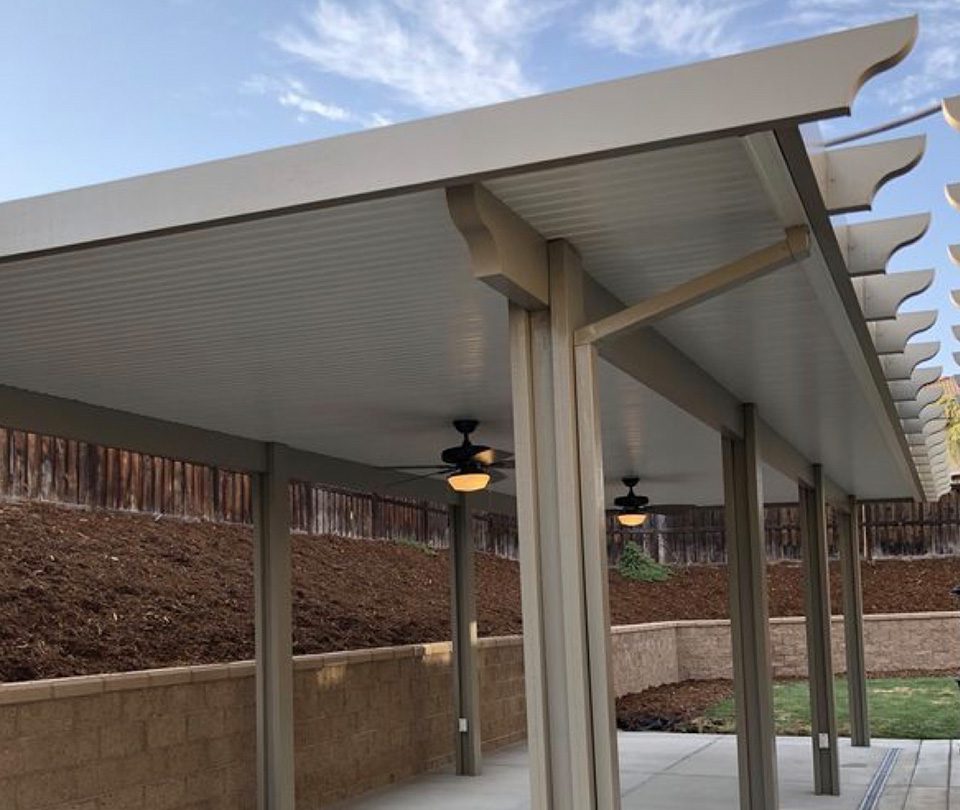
(176, 738)
(644, 655)
(892, 642)
(184, 738)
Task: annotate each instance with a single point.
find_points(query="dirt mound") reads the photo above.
(84, 592)
(671, 707)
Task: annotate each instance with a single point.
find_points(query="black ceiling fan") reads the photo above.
(468, 467)
(632, 509)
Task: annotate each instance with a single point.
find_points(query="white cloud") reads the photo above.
(293, 93)
(689, 28)
(433, 55)
(332, 112)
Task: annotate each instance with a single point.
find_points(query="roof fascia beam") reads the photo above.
(850, 178)
(505, 251)
(794, 247)
(801, 81)
(784, 165)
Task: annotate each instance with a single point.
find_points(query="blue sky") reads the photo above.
(99, 89)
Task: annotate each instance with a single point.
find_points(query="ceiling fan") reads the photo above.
(468, 467)
(632, 510)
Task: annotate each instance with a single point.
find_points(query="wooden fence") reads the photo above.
(43, 468)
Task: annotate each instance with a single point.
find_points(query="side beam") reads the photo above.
(463, 608)
(849, 535)
(749, 617)
(274, 633)
(794, 247)
(813, 531)
(71, 419)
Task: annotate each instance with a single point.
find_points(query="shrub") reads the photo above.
(635, 564)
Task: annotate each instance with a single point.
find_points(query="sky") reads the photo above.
(94, 90)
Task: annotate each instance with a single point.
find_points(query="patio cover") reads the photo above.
(317, 312)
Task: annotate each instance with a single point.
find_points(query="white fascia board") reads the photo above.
(787, 84)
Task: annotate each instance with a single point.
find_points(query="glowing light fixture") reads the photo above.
(469, 478)
(631, 519)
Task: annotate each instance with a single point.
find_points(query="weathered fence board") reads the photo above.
(70, 472)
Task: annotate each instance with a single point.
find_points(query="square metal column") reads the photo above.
(813, 531)
(562, 564)
(463, 608)
(849, 539)
(749, 617)
(274, 633)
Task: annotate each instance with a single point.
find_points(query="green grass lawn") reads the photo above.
(906, 708)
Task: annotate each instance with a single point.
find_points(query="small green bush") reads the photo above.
(637, 565)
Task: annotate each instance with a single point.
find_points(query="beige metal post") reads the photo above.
(849, 535)
(530, 377)
(466, 684)
(749, 617)
(813, 530)
(274, 636)
(563, 568)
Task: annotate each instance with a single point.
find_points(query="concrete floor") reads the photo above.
(666, 771)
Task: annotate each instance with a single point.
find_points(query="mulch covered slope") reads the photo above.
(84, 592)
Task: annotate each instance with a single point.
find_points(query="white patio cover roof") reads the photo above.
(321, 295)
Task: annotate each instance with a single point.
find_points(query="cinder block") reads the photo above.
(166, 731)
(46, 717)
(126, 798)
(122, 740)
(165, 795)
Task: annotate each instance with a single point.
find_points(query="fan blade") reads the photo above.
(496, 476)
(488, 456)
(410, 478)
(509, 464)
(418, 467)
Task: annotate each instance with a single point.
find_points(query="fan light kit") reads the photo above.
(468, 467)
(632, 506)
(469, 478)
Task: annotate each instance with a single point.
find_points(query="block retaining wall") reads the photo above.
(184, 738)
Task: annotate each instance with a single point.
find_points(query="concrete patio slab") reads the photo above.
(672, 771)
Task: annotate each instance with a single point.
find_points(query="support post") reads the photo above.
(596, 579)
(749, 617)
(813, 530)
(466, 684)
(562, 564)
(529, 378)
(274, 636)
(849, 536)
